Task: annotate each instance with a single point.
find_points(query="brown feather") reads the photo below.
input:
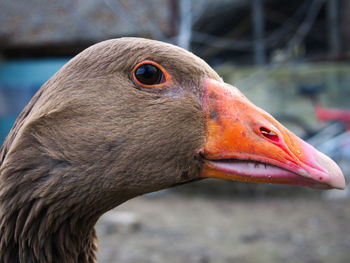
(91, 139)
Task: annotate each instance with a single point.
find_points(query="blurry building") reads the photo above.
(221, 30)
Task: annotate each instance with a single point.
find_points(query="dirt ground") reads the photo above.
(193, 229)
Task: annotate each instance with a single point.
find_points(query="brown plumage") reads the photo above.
(75, 150)
(91, 139)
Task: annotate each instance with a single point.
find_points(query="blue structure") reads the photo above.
(19, 80)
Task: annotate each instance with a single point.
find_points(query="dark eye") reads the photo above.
(150, 74)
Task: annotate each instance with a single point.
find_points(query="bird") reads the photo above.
(123, 118)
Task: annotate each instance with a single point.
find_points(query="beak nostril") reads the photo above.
(271, 135)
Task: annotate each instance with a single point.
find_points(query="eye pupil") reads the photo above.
(148, 74)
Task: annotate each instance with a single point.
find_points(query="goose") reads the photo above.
(123, 118)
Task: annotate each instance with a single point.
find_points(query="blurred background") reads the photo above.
(291, 58)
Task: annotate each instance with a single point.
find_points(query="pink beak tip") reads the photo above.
(336, 177)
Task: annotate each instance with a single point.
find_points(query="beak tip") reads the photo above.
(336, 177)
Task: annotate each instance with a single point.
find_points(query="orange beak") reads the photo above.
(245, 143)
